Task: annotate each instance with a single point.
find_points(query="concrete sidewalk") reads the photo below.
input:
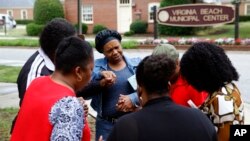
(8, 95)
(9, 98)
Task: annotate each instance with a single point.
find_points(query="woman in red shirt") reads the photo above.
(181, 92)
(50, 109)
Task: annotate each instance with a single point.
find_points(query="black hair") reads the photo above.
(104, 37)
(53, 33)
(154, 73)
(71, 52)
(207, 67)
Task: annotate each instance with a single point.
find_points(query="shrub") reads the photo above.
(98, 27)
(172, 30)
(244, 18)
(129, 44)
(33, 29)
(25, 22)
(129, 33)
(139, 26)
(84, 28)
(46, 10)
(168, 30)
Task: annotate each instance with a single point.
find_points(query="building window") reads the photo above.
(124, 1)
(150, 11)
(24, 14)
(87, 12)
(10, 12)
(248, 9)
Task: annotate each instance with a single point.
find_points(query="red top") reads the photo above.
(39, 104)
(181, 92)
(86, 132)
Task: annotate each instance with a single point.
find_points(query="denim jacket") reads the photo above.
(102, 65)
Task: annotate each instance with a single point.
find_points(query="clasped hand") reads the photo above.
(125, 104)
(108, 78)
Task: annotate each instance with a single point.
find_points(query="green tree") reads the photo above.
(172, 30)
(46, 10)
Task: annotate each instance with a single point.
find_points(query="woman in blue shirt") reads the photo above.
(110, 82)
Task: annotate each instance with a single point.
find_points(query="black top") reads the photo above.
(162, 120)
(33, 68)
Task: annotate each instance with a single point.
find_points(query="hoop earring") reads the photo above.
(79, 78)
(140, 100)
(169, 84)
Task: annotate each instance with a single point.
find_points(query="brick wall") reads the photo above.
(104, 12)
(142, 6)
(17, 12)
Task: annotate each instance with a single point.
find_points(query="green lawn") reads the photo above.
(226, 31)
(9, 74)
(15, 32)
(19, 42)
(6, 116)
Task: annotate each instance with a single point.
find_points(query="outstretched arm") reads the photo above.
(100, 81)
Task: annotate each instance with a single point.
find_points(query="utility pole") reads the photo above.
(236, 21)
(155, 23)
(79, 17)
(4, 22)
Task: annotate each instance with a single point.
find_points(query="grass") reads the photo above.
(129, 44)
(15, 32)
(9, 73)
(226, 31)
(8, 114)
(20, 42)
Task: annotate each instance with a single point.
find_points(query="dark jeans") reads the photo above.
(103, 128)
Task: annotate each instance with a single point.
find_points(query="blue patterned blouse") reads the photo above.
(67, 117)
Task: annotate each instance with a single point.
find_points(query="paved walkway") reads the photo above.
(9, 97)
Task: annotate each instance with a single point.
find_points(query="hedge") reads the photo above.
(25, 22)
(139, 26)
(33, 29)
(84, 28)
(98, 27)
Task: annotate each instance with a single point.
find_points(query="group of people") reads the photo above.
(193, 98)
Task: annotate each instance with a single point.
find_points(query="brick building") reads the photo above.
(18, 9)
(119, 14)
(114, 14)
(244, 8)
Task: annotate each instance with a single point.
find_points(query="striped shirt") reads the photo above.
(37, 65)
